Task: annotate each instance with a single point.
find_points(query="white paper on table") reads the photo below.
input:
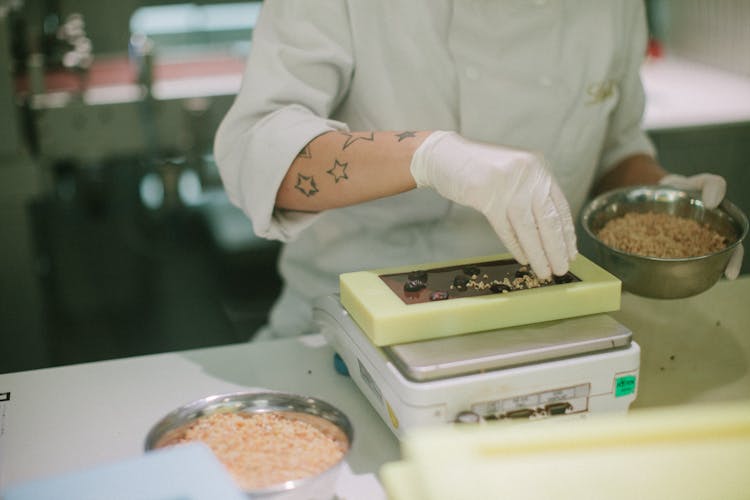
(4, 406)
(352, 486)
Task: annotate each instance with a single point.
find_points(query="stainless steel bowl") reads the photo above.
(327, 418)
(657, 277)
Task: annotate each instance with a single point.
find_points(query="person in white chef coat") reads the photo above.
(370, 134)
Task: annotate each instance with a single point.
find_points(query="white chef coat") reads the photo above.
(556, 76)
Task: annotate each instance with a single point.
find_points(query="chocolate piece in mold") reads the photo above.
(418, 276)
(471, 270)
(460, 282)
(414, 285)
(500, 288)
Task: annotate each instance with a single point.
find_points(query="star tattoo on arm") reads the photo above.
(405, 135)
(305, 153)
(338, 171)
(351, 139)
(306, 185)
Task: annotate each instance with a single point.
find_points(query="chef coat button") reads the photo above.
(472, 73)
(545, 81)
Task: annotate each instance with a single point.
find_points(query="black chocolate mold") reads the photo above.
(566, 278)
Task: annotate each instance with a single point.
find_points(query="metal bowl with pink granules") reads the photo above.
(275, 445)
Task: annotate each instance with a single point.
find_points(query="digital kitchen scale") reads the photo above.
(570, 366)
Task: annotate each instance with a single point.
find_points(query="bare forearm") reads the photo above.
(339, 169)
(632, 171)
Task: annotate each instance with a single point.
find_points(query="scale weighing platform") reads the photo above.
(568, 366)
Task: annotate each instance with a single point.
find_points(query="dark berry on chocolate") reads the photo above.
(413, 285)
(471, 271)
(460, 282)
(499, 288)
(522, 271)
(418, 276)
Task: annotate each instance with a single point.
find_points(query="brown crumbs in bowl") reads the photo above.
(661, 235)
(263, 449)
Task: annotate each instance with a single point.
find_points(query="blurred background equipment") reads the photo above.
(117, 238)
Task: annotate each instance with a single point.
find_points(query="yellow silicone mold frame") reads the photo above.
(387, 320)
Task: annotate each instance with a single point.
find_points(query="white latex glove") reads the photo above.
(511, 187)
(713, 188)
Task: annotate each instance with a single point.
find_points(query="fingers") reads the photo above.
(713, 188)
(522, 220)
(544, 231)
(549, 224)
(568, 227)
(538, 228)
(504, 230)
(735, 263)
(677, 181)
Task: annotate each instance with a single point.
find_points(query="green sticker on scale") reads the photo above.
(624, 385)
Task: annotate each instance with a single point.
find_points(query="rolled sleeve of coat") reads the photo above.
(625, 135)
(297, 72)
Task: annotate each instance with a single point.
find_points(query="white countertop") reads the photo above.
(58, 420)
(64, 419)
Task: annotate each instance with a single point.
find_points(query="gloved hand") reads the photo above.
(511, 187)
(713, 188)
